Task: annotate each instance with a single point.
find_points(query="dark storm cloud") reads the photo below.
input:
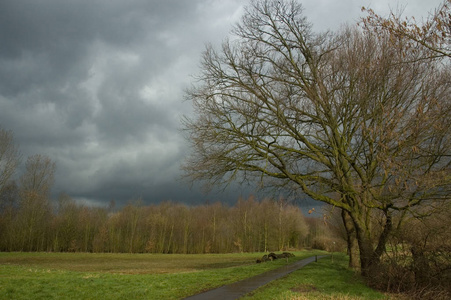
(97, 85)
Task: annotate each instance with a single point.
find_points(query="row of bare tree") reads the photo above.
(34, 224)
(31, 221)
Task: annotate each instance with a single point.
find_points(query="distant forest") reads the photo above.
(31, 221)
(248, 226)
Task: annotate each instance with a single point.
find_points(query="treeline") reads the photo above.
(248, 226)
(31, 221)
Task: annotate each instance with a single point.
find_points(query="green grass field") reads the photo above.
(329, 278)
(170, 276)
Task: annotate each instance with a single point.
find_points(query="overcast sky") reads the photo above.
(97, 85)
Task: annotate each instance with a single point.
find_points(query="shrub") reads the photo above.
(419, 259)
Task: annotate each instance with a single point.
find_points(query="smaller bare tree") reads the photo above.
(34, 209)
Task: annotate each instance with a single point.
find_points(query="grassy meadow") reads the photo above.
(329, 278)
(168, 276)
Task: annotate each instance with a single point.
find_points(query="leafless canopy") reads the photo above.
(39, 175)
(347, 113)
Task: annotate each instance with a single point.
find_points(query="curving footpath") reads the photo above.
(238, 289)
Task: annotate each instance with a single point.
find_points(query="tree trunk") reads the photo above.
(370, 254)
(353, 246)
(367, 259)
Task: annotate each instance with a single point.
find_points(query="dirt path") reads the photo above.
(240, 288)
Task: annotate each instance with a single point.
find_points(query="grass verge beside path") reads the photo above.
(326, 279)
(124, 276)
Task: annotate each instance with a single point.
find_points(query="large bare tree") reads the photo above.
(353, 119)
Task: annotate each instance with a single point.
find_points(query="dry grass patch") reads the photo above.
(304, 288)
(324, 297)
